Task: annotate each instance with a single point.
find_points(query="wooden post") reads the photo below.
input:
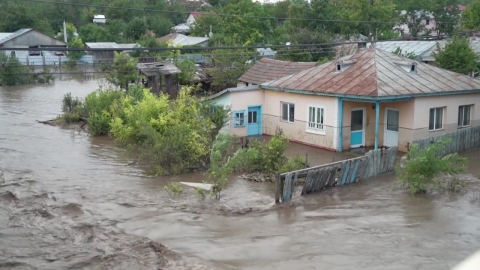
(278, 189)
(306, 159)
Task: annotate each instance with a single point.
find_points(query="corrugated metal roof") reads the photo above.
(15, 34)
(182, 40)
(5, 35)
(419, 48)
(102, 45)
(268, 69)
(375, 73)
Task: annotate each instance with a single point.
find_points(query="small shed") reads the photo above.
(154, 72)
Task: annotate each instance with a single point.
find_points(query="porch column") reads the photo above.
(377, 118)
(340, 125)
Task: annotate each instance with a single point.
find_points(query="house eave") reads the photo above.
(372, 99)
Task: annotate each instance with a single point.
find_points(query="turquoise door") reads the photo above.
(254, 121)
(357, 136)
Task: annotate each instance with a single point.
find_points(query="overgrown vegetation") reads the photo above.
(426, 169)
(399, 51)
(13, 72)
(265, 157)
(173, 136)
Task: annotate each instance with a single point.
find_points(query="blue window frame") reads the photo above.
(238, 118)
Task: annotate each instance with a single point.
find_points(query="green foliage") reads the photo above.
(293, 164)
(93, 32)
(70, 104)
(471, 16)
(229, 67)
(174, 188)
(71, 117)
(308, 54)
(160, 25)
(123, 71)
(422, 169)
(410, 55)
(136, 28)
(98, 108)
(188, 69)
(12, 72)
(457, 56)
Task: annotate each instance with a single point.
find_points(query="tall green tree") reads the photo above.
(124, 70)
(471, 16)
(447, 16)
(93, 32)
(135, 28)
(457, 56)
(369, 12)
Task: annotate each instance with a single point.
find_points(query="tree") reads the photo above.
(369, 11)
(74, 56)
(457, 56)
(446, 15)
(471, 16)
(228, 67)
(160, 25)
(135, 28)
(423, 168)
(307, 54)
(93, 32)
(123, 71)
(71, 31)
(13, 72)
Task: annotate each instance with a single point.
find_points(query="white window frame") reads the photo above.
(236, 120)
(288, 112)
(463, 116)
(435, 117)
(311, 125)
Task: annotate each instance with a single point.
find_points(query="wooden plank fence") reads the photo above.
(338, 173)
(461, 140)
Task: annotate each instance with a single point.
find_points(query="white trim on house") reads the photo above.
(335, 125)
(314, 130)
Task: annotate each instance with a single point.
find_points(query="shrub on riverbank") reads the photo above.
(174, 136)
(263, 157)
(13, 72)
(424, 169)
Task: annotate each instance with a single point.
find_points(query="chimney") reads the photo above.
(362, 45)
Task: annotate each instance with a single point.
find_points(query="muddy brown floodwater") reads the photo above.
(70, 201)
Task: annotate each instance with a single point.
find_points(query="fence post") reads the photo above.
(306, 159)
(278, 188)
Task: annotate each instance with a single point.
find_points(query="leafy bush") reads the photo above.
(69, 104)
(422, 169)
(98, 109)
(293, 164)
(71, 117)
(12, 72)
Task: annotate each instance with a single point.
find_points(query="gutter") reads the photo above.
(369, 98)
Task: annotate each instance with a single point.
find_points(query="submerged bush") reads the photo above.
(423, 169)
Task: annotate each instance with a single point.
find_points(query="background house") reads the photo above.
(31, 38)
(370, 99)
(184, 28)
(108, 56)
(269, 69)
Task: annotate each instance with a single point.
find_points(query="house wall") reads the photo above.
(406, 122)
(297, 131)
(190, 19)
(240, 102)
(33, 38)
(450, 116)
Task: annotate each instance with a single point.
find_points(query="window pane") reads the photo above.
(432, 120)
(249, 117)
(466, 115)
(311, 115)
(439, 118)
(291, 113)
(254, 117)
(242, 119)
(357, 120)
(392, 120)
(285, 111)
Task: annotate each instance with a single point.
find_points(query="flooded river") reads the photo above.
(70, 201)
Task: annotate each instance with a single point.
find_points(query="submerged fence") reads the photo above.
(317, 178)
(461, 140)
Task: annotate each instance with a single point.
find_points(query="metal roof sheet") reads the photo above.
(419, 48)
(375, 73)
(269, 69)
(5, 35)
(102, 45)
(234, 89)
(15, 34)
